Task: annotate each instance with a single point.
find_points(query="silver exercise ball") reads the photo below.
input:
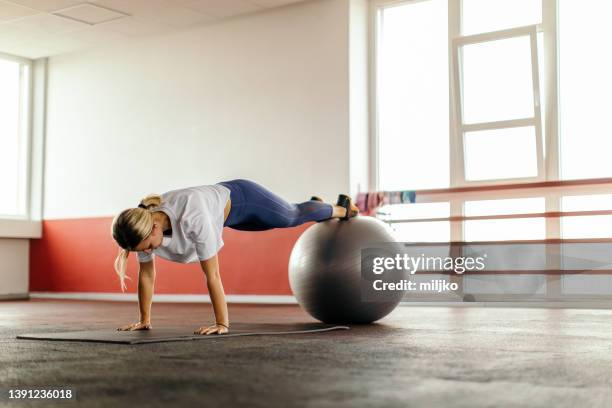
(325, 271)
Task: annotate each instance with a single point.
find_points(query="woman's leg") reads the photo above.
(257, 208)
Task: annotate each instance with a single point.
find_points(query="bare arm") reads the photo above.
(217, 297)
(146, 283)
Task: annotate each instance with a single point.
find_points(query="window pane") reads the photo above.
(505, 229)
(595, 226)
(438, 231)
(583, 284)
(585, 88)
(413, 97)
(587, 202)
(416, 210)
(9, 137)
(509, 206)
(501, 154)
(505, 284)
(497, 80)
(480, 16)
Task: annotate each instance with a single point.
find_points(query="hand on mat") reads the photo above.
(215, 328)
(135, 326)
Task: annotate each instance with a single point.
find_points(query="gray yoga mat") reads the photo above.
(158, 335)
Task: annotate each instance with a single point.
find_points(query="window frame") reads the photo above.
(553, 188)
(375, 19)
(548, 155)
(461, 128)
(23, 224)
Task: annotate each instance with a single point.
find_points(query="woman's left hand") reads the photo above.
(214, 329)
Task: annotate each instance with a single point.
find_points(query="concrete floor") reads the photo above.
(416, 357)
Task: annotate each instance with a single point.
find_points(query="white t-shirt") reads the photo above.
(196, 215)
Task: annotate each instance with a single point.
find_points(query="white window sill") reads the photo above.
(15, 228)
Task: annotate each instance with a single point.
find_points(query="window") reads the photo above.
(14, 136)
(496, 83)
(413, 96)
(498, 107)
(587, 202)
(504, 229)
(589, 226)
(528, 83)
(510, 60)
(585, 88)
(500, 153)
(482, 16)
(421, 231)
(496, 110)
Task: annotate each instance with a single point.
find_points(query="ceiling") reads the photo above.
(40, 28)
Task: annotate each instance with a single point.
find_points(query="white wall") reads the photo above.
(14, 267)
(358, 96)
(263, 97)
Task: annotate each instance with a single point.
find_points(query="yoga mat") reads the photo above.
(180, 334)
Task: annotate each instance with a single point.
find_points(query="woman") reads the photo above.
(186, 225)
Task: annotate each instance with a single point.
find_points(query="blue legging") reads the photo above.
(255, 208)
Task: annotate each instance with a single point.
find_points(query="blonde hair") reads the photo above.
(129, 228)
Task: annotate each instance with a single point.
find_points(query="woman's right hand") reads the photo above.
(135, 326)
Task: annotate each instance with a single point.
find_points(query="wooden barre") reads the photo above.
(520, 272)
(501, 187)
(462, 218)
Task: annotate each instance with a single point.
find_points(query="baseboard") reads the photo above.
(290, 300)
(15, 296)
(572, 304)
(132, 297)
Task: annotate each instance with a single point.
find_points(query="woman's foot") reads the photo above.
(346, 202)
(344, 208)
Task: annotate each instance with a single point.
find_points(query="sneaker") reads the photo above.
(351, 209)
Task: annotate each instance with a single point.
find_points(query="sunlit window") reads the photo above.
(586, 226)
(497, 81)
(14, 115)
(481, 16)
(501, 154)
(506, 206)
(413, 96)
(528, 91)
(590, 226)
(498, 114)
(585, 88)
(519, 229)
(422, 231)
(591, 202)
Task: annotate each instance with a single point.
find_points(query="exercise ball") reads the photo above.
(325, 270)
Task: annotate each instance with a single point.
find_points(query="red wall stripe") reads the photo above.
(77, 255)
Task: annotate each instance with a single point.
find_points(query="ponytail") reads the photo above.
(129, 228)
(121, 266)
